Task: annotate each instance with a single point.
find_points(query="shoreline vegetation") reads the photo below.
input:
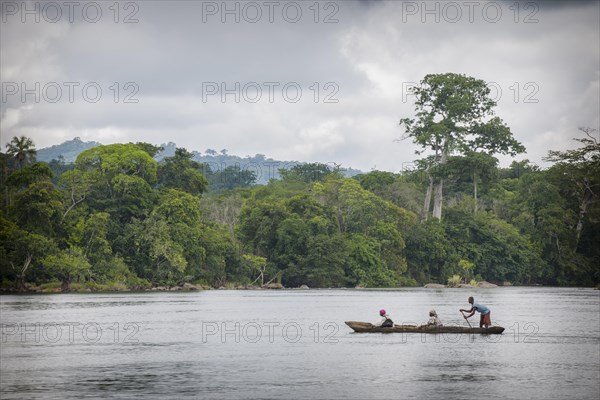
(121, 218)
(55, 288)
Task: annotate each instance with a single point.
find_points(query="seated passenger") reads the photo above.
(434, 320)
(386, 321)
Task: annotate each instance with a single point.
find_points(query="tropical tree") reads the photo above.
(467, 267)
(310, 172)
(20, 250)
(231, 177)
(497, 250)
(258, 265)
(38, 207)
(67, 264)
(454, 113)
(429, 253)
(116, 178)
(22, 149)
(581, 167)
(181, 172)
(475, 169)
(151, 149)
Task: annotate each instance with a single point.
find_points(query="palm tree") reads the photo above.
(21, 148)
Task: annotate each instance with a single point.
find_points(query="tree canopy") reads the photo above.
(454, 114)
(119, 219)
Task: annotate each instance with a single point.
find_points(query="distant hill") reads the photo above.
(264, 167)
(69, 150)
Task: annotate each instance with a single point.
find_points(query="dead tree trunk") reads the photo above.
(20, 272)
(475, 191)
(587, 200)
(427, 204)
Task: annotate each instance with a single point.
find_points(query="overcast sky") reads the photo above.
(352, 68)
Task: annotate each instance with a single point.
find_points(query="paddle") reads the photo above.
(473, 335)
(463, 314)
(466, 319)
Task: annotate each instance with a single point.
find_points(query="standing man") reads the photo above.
(483, 310)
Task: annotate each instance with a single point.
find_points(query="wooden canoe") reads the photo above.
(366, 327)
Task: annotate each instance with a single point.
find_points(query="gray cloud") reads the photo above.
(369, 54)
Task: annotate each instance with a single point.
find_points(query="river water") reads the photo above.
(294, 344)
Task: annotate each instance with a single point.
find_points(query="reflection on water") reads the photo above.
(294, 344)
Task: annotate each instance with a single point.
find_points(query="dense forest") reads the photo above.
(117, 219)
(218, 164)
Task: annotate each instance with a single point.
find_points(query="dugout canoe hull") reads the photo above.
(366, 327)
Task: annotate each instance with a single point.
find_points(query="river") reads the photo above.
(294, 344)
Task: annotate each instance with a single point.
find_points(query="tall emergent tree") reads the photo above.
(455, 114)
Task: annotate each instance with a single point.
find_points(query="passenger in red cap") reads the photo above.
(386, 321)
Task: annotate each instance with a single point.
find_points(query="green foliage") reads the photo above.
(21, 252)
(309, 172)
(331, 233)
(366, 268)
(258, 224)
(119, 221)
(430, 254)
(67, 265)
(58, 167)
(181, 172)
(149, 148)
(90, 234)
(106, 162)
(451, 112)
(394, 188)
(37, 172)
(454, 281)
(38, 208)
(376, 181)
(22, 149)
(467, 267)
(116, 178)
(256, 262)
(498, 250)
(356, 209)
(166, 255)
(231, 177)
(455, 114)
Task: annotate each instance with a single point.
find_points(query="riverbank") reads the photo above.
(91, 287)
(54, 288)
(482, 284)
